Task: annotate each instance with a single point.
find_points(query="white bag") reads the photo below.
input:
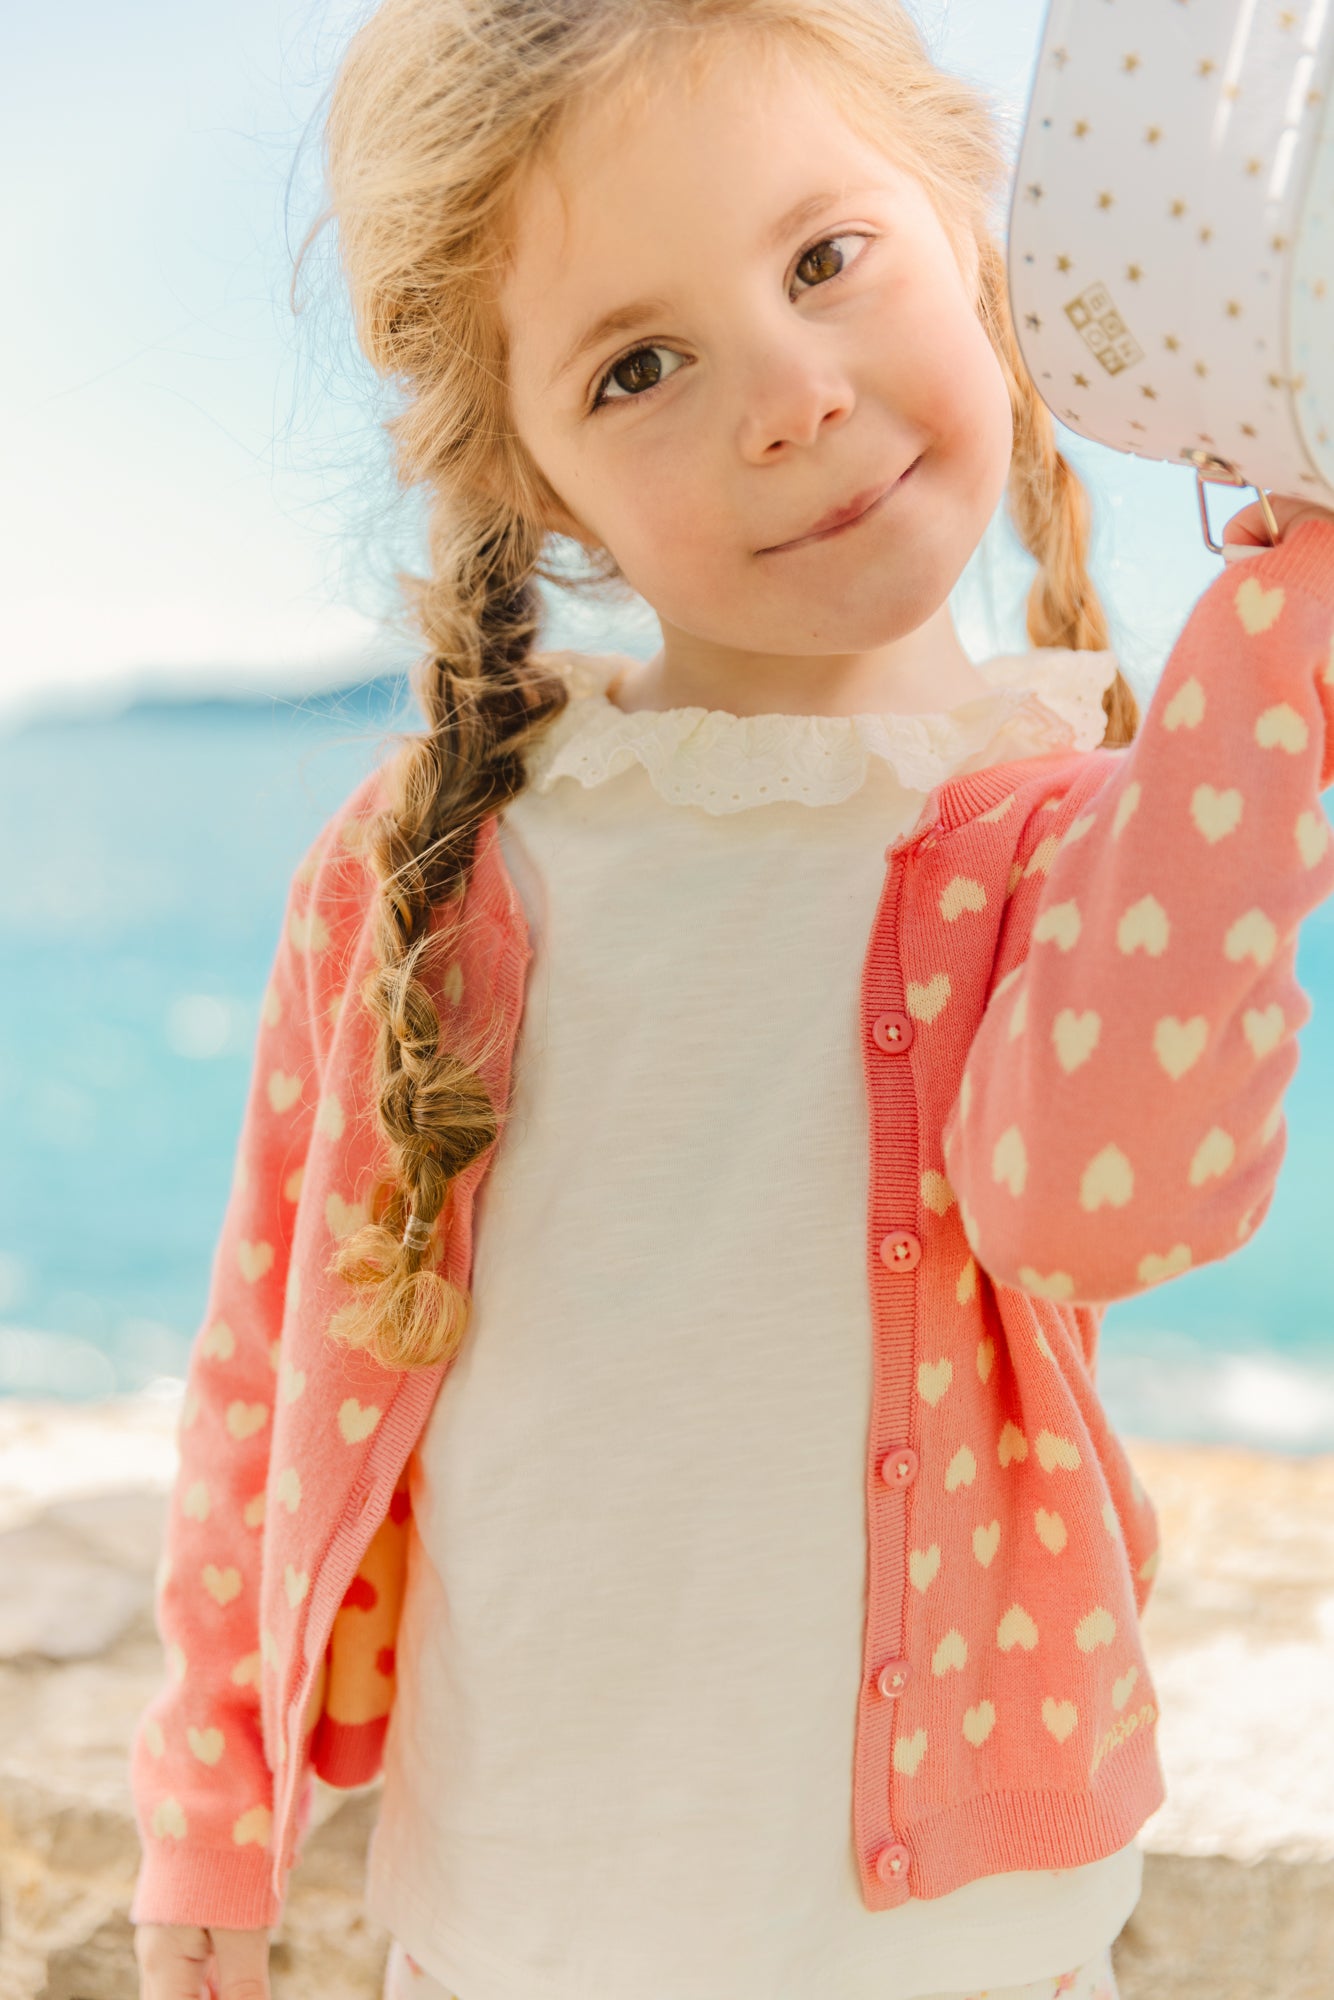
(1171, 236)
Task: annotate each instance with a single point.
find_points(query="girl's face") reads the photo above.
(703, 373)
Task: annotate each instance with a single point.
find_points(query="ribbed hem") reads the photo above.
(1304, 559)
(348, 1753)
(183, 1884)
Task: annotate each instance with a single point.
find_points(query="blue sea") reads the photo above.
(150, 852)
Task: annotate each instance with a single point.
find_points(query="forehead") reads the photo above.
(628, 194)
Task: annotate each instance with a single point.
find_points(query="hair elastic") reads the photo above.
(416, 1233)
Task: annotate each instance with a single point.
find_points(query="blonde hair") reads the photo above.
(438, 109)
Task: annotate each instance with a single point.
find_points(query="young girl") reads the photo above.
(726, 1559)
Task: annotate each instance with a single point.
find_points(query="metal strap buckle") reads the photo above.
(1221, 472)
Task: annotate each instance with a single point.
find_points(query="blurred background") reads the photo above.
(198, 539)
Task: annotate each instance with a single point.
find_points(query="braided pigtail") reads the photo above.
(435, 1111)
(1049, 505)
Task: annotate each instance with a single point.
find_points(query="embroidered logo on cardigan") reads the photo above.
(1121, 1732)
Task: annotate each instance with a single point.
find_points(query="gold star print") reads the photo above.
(1063, 262)
(1081, 127)
(1233, 308)
(1232, 90)
(1248, 430)
(1171, 343)
(1146, 390)
(1134, 273)
(1279, 243)
(1178, 208)
(1105, 200)
(1032, 320)
(1287, 20)
(1206, 67)
(1130, 63)
(1081, 381)
(1200, 369)
(1206, 234)
(1034, 191)
(1153, 135)
(1060, 57)
(1319, 288)
(1254, 166)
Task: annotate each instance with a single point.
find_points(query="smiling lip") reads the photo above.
(842, 517)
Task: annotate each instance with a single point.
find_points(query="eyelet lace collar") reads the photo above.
(1049, 698)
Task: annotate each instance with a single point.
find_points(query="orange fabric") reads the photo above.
(1094, 953)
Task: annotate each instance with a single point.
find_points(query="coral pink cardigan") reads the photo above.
(1078, 1022)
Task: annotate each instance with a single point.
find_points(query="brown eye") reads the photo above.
(640, 370)
(826, 262)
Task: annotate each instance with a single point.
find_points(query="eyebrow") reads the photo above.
(624, 319)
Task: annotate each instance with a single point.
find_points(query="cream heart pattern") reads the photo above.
(153, 1736)
(1282, 728)
(1051, 1530)
(1126, 806)
(1060, 1717)
(952, 1652)
(244, 1419)
(1054, 1450)
(176, 1661)
(206, 1744)
(1156, 1270)
(1016, 1629)
(168, 1818)
(1109, 1520)
(925, 1002)
(1251, 936)
(246, 1672)
(1257, 607)
(1061, 924)
(965, 1287)
(1043, 1345)
(909, 1752)
(1019, 1016)
(344, 1216)
(978, 1723)
(1075, 1037)
(293, 1286)
(1121, 1689)
(961, 1470)
(1144, 927)
(288, 1488)
(1078, 828)
(297, 1583)
(1148, 1569)
(292, 1185)
(963, 893)
(1009, 1161)
(986, 1355)
(453, 983)
(222, 1585)
(355, 1422)
(999, 810)
(254, 1259)
(284, 1090)
(291, 1381)
(1272, 1123)
(1004, 985)
(1012, 1444)
(986, 1541)
(1039, 862)
(1312, 832)
(219, 1342)
(1186, 708)
(268, 1646)
(1054, 1285)
(923, 1565)
(1214, 1155)
(329, 1117)
(1216, 814)
(196, 1502)
(1108, 1177)
(1264, 1031)
(271, 1007)
(965, 1094)
(1179, 1045)
(253, 1824)
(1096, 1628)
(934, 1378)
(937, 1193)
(253, 1512)
(308, 932)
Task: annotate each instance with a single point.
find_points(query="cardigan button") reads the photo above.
(893, 1678)
(891, 1863)
(899, 1468)
(901, 1250)
(893, 1033)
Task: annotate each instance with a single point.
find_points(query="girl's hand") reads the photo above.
(1246, 533)
(186, 1962)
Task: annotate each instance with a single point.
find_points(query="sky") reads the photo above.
(193, 486)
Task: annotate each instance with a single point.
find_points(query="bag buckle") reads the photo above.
(1221, 472)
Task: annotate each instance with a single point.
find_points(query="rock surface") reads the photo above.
(1238, 1900)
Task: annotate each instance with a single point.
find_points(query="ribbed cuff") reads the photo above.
(1304, 558)
(180, 1884)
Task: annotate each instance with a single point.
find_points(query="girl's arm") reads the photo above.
(202, 1786)
(1120, 1118)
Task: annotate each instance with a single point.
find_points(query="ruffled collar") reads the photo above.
(1047, 699)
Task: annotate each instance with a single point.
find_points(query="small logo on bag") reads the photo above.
(1102, 329)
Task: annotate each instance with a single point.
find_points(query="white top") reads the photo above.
(619, 1761)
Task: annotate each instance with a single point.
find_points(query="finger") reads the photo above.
(242, 1962)
(172, 1960)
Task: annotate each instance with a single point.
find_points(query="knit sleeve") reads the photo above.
(1120, 1114)
(200, 1779)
